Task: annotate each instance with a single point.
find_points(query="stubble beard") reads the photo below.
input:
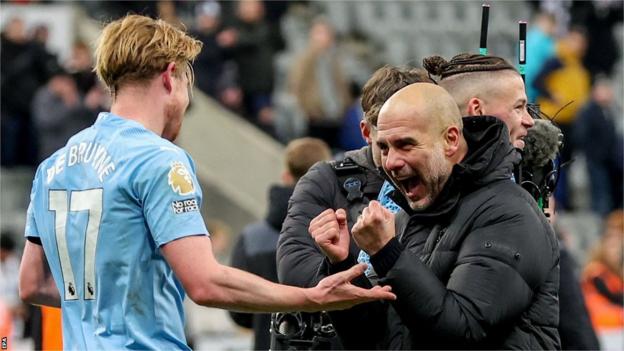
(434, 181)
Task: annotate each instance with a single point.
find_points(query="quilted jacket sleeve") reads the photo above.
(298, 258)
(507, 257)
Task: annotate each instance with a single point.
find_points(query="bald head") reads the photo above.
(427, 104)
(419, 134)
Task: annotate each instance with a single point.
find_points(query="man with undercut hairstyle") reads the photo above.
(489, 85)
(472, 259)
(485, 85)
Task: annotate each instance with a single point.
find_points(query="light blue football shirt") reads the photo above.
(102, 206)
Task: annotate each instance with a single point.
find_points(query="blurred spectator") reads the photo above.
(80, 65)
(250, 44)
(350, 137)
(600, 18)
(597, 137)
(256, 247)
(167, 12)
(105, 10)
(59, 111)
(564, 80)
(209, 63)
(540, 47)
(275, 11)
(215, 76)
(40, 34)
(603, 283)
(51, 328)
(320, 85)
(575, 327)
(26, 65)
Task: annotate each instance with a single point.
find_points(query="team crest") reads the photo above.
(180, 179)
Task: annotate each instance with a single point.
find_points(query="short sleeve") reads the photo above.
(171, 197)
(31, 230)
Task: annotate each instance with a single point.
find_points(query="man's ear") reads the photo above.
(452, 138)
(287, 178)
(167, 76)
(474, 107)
(365, 128)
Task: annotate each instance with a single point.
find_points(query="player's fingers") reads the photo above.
(382, 293)
(353, 272)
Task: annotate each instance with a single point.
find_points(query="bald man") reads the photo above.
(472, 259)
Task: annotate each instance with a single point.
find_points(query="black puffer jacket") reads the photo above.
(480, 267)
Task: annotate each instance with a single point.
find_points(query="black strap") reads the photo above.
(351, 180)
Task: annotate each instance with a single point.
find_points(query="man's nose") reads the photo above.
(393, 162)
(527, 120)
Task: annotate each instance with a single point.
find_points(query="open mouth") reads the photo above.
(410, 185)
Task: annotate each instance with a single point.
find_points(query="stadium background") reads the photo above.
(236, 158)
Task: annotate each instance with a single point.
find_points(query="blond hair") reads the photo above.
(303, 153)
(135, 48)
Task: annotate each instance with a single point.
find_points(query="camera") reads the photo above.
(303, 331)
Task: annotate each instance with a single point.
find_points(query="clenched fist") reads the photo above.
(331, 233)
(374, 228)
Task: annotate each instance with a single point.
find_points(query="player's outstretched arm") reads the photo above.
(211, 284)
(36, 285)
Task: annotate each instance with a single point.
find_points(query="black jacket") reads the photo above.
(480, 267)
(255, 252)
(299, 260)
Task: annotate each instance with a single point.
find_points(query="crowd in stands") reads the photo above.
(572, 56)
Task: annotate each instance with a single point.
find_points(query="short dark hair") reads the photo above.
(383, 84)
(303, 153)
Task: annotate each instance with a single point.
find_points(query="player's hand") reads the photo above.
(374, 228)
(331, 233)
(337, 293)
